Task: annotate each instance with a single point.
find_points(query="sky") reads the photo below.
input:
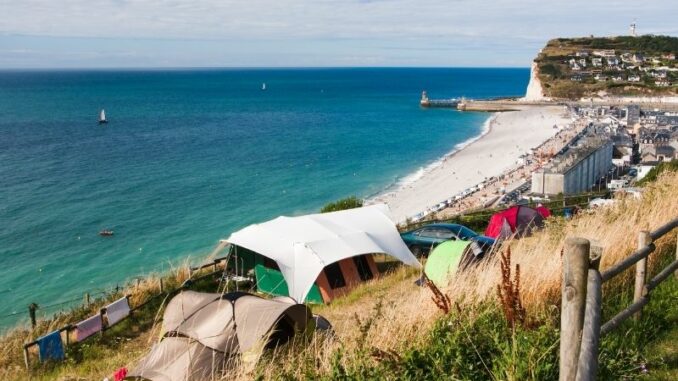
(307, 33)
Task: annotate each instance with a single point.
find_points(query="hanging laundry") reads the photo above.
(117, 311)
(51, 347)
(88, 327)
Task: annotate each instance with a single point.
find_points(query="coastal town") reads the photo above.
(487, 263)
(625, 142)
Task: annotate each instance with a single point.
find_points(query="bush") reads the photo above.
(343, 204)
(550, 69)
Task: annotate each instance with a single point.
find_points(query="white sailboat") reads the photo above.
(102, 117)
(263, 86)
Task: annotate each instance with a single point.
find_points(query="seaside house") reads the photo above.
(669, 56)
(612, 61)
(597, 62)
(637, 58)
(605, 53)
(634, 78)
(648, 138)
(668, 120)
(655, 155)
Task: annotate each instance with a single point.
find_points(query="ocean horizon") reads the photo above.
(191, 155)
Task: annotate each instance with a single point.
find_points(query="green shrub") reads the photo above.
(343, 204)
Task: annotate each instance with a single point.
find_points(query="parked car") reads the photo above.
(422, 240)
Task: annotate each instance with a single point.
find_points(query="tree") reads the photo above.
(343, 204)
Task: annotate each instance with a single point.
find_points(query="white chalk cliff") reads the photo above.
(534, 90)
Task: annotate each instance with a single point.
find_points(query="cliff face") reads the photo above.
(534, 90)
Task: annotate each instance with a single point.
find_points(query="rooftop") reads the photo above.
(576, 153)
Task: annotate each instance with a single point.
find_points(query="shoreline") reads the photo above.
(506, 138)
(413, 177)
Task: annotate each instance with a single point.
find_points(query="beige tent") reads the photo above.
(202, 331)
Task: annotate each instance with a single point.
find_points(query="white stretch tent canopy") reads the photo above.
(302, 246)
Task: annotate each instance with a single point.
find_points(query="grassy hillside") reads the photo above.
(577, 67)
(392, 329)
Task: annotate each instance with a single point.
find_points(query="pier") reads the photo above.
(442, 103)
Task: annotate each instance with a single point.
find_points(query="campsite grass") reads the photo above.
(390, 329)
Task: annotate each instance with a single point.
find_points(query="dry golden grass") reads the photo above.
(11, 343)
(407, 312)
(391, 313)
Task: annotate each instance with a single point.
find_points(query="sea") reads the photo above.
(190, 155)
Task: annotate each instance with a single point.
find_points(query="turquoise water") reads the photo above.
(191, 155)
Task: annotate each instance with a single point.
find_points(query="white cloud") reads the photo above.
(301, 25)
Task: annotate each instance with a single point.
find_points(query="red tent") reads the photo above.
(544, 211)
(518, 219)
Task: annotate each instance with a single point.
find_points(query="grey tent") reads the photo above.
(202, 331)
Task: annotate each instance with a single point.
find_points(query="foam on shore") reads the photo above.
(413, 177)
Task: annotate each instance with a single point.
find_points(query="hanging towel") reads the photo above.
(51, 347)
(87, 328)
(117, 311)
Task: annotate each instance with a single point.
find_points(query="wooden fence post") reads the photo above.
(87, 301)
(161, 286)
(27, 358)
(676, 272)
(644, 239)
(588, 357)
(31, 313)
(575, 274)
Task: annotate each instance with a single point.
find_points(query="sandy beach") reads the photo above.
(509, 136)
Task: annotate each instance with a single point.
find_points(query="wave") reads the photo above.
(413, 177)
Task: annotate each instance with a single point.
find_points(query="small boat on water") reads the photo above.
(106, 233)
(263, 86)
(102, 117)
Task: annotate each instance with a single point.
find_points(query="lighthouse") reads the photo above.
(632, 28)
(424, 99)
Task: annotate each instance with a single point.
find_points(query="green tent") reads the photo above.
(269, 280)
(444, 260)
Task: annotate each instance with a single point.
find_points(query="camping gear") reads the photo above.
(518, 220)
(445, 260)
(544, 211)
(321, 323)
(50, 347)
(303, 246)
(120, 374)
(88, 327)
(272, 282)
(117, 310)
(202, 331)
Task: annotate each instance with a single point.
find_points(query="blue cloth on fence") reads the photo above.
(51, 347)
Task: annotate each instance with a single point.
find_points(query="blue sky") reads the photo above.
(227, 33)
